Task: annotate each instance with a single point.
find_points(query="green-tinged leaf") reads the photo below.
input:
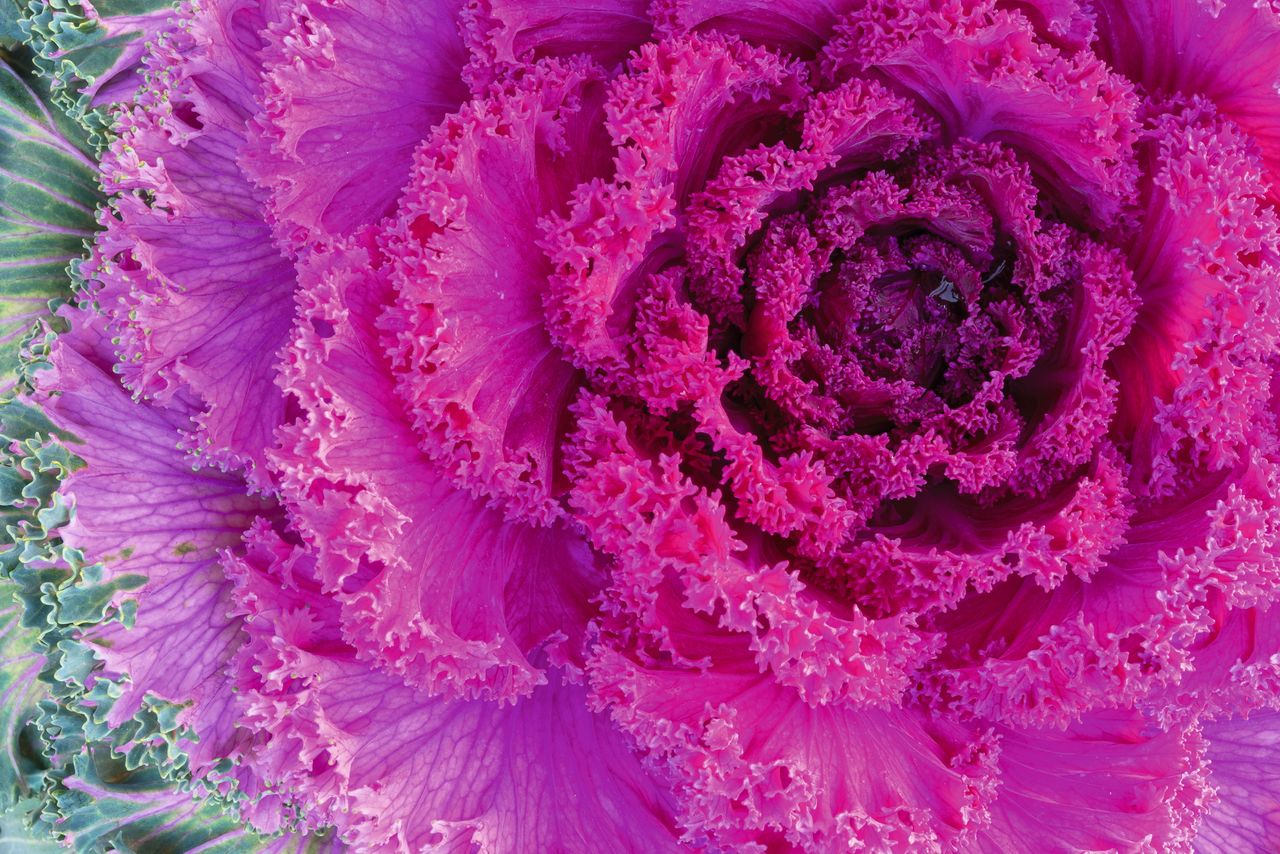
(23, 766)
(19, 421)
(92, 52)
(48, 195)
(11, 34)
(110, 807)
(16, 837)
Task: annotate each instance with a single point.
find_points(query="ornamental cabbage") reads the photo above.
(687, 425)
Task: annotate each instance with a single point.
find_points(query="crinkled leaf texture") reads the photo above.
(60, 778)
(90, 54)
(654, 426)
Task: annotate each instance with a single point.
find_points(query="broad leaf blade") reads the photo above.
(48, 194)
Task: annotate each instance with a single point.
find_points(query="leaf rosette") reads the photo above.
(692, 425)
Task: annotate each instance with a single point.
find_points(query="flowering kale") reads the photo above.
(613, 425)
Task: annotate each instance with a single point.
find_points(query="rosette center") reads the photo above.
(900, 297)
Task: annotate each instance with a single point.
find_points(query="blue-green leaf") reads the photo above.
(48, 196)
